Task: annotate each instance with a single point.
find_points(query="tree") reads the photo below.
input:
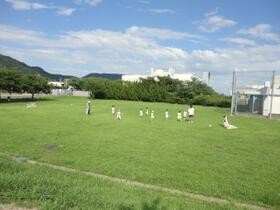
(75, 82)
(10, 80)
(34, 84)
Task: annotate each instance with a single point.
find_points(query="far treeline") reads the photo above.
(13, 81)
(161, 89)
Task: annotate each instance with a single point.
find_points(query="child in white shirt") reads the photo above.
(152, 115)
(141, 113)
(113, 110)
(185, 115)
(119, 114)
(191, 113)
(179, 116)
(166, 114)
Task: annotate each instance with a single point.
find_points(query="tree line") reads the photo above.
(159, 89)
(13, 81)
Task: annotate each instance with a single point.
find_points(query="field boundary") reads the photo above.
(127, 182)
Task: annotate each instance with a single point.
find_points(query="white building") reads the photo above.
(56, 84)
(160, 72)
(259, 98)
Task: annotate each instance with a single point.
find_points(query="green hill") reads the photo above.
(110, 76)
(8, 62)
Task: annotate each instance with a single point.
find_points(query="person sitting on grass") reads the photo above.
(227, 125)
(119, 114)
(113, 110)
(179, 116)
(191, 113)
(166, 114)
(88, 108)
(141, 113)
(152, 115)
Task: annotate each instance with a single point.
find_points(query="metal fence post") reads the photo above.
(233, 93)
(272, 94)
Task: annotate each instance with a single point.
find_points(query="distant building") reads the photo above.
(160, 72)
(257, 99)
(206, 77)
(56, 84)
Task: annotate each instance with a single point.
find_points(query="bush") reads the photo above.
(216, 100)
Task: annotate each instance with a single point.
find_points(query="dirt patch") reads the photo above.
(50, 147)
(12, 207)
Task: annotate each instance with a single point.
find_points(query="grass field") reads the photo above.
(240, 165)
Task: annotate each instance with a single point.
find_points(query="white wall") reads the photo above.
(133, 78)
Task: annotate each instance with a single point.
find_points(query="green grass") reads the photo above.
(241, 164)
(36, 186)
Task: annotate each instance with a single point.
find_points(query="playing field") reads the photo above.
(239, 165)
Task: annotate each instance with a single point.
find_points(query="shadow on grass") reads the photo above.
(16, 100)
(154, 205)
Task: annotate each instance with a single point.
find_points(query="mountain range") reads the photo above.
(9, 62)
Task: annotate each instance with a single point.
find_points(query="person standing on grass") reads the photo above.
(152, 115)
(166, 114)
(88, 108)
(179, 116)
(185, 115)
(147, 111)
(141, 113)
(113, 110)
(119, 114)
(191, 113)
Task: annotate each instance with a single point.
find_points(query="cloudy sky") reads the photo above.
(131, 36)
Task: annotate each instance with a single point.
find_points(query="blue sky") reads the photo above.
(131, 36)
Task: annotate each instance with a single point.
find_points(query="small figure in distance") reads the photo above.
(113, 110)
(88, 108)
(119, 114)
(141, 113)
(185, 115)
(191, 113)
(226, 123)
(166, 114)
(179, 116)
(147, 111)
(152, 115)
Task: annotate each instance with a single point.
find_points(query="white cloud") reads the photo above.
(239, 41)
(27, 5)
(162, 34)
(213, 22)
(90, 2)
(66, 11)
(125, 52)
(262, 31)
(144, 2)
(161, 11)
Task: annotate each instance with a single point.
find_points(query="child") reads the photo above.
(191, 113)
(185, 115)
(113, 110)
(166, 114)
(147, 111)
(152, 115)
(141, 113)
(119, 114)
(179, 116)
(88, 108)
(227, 125)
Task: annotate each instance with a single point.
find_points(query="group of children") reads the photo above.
(187, 115)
